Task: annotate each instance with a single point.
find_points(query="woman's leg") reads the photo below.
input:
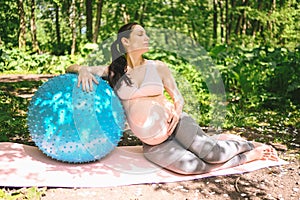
(180, 157)
(173, 156)
(190, 135)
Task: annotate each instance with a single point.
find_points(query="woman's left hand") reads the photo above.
(173, 120)
(86, 79)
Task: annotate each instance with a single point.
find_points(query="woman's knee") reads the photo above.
(188, 164)
(174, 157)
(216, 155)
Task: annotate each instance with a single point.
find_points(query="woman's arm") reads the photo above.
(96, 70)
(171, 87)
(86, 75)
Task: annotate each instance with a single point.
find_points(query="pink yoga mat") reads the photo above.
(25, 166)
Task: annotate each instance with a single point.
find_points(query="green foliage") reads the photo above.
(13, 110)
(274, 24)
(32, 193)
(9, 23)
(258, 79)
(16, 61)
(277, 25)
(46, 27)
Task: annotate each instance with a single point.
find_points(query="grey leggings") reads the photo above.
(190, 151)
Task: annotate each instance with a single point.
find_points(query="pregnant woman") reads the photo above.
(171, 138)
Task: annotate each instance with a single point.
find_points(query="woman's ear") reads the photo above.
(125, 41)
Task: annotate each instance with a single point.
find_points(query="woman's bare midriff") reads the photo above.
(148, 117)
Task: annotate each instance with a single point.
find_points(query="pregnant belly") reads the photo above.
(148, 121)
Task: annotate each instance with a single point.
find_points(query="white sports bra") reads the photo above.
(151, 86)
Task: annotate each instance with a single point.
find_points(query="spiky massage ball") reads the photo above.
(74, 126)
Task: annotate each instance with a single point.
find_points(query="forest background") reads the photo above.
(254, 45)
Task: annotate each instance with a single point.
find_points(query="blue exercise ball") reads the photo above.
(74, 126)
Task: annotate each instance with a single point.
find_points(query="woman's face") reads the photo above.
(138, 42)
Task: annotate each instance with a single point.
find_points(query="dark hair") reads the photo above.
(117, 68)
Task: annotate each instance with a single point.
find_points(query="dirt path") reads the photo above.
(276, 183)
(26, 77)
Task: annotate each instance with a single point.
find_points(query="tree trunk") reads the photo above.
(273, 5)
(262, 33)
(270, 22)
(195, 38)
(244, 21)
(241, 20)
(215, 19)
(244, 27)
(117, 13)
(139, 13)
(281, 27)
(144, 6)
(57, 27)
(98, 20)
(89, 20)
(232, 18)
(35, 44)
(80, 11)
(22, 38)
(221, 20)
(238, 23)
(227, 37)
(73, 26)
(136, 15)
(174, 16)
(256, 22)
(126, 16)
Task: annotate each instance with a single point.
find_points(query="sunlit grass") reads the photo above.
(23, 193)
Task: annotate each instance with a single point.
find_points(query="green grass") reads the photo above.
(32, 193)
(14, 101)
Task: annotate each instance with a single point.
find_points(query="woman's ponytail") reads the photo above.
(118, 67)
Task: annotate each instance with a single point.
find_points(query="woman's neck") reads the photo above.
(134, 60)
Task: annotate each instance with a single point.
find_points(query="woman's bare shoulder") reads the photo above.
(160, 65)
(163, 69)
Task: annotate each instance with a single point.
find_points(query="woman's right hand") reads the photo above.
(86, 78)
